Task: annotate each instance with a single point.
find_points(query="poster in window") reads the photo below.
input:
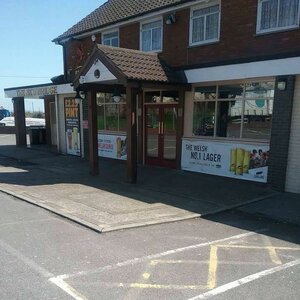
(235, 160)
(72, 122)
(112, 146)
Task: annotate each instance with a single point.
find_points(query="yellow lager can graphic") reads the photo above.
(232, 160)
(240, 153)
(75, 138)
(246, 163)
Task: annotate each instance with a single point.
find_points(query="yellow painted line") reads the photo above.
(212, 269)
(273, 255)
(258, 247)
(167, 286)
(146, 276)
(153, 262)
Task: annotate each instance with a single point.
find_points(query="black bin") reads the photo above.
(37, 135)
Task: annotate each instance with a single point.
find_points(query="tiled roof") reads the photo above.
(114, 11)
(138, 65)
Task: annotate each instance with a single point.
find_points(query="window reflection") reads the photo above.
(111, 115)
(205, 93)
(258, 119)
(242, 110)
(204, 118)
(230, 91)
(229, 118)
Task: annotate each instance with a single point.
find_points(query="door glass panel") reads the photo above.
(169, 131)
(152, 127)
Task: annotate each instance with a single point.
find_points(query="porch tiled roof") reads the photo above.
(114, 11)
(138, 65)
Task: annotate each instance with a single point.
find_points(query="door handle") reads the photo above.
(158, 127)
(162, 128)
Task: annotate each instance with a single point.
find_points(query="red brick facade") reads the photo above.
(238, 39)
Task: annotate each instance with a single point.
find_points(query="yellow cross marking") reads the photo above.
(146, 276)
(167, 286)
(212, 269)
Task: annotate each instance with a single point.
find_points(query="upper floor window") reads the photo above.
(151, 36)
(205, 25)
(275, 15)
(111, 39)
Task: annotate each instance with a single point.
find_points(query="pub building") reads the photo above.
(168, 85)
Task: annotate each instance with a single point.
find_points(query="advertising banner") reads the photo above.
(72, 126)
(236, 160)
(112, 146)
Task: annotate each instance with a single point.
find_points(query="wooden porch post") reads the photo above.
(131, 135)
(93, 133)
(20, 125)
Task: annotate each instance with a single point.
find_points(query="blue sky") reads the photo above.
(27, 55)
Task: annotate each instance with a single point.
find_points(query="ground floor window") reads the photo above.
(234, 111)
(111, 115)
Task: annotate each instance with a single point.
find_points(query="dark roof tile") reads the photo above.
(114, 11)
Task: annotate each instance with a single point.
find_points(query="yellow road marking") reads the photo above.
(258, 247)
(212, 269)
(153, 262)
(167, 286)
(273, 255)
(146, 276)
(272, 251)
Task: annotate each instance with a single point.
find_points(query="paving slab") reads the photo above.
(62, 184)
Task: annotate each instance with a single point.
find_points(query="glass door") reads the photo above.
(152, 132)
(161, 135)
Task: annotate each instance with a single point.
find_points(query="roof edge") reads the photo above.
(61, 37)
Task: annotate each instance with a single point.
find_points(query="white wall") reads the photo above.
(188, 115)
(293, 167)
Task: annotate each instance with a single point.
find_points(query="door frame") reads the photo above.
(160, 161)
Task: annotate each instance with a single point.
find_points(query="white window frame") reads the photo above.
(110, 39)
(191, 24)
(162, 32)
(277, 28)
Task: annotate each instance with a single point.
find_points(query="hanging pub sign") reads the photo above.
(72, 122)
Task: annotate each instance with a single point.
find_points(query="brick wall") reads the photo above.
(77, 52)
(238, 39)
(129, 36)
(280, 135)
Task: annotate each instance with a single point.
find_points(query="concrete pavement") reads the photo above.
(62, 184)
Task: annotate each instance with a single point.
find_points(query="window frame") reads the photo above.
(105, 104)
(162, 33)
(110, 39)
(204, 42)
(277, 28)
(217, 102)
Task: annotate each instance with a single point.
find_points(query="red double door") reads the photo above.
(161, 134)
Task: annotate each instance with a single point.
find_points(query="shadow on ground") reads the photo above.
(198, 193)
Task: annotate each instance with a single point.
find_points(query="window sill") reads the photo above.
(152, 51)
(203, 44)
(280, 30)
